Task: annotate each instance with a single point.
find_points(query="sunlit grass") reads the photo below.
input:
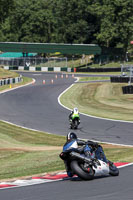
(102, 99)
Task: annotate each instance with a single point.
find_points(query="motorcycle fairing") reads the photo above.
(75, 115)
(101, 169)
(70, 145)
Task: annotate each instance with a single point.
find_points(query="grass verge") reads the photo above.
(7, 74)
(93, 78)
(25, 152)
(101, 99)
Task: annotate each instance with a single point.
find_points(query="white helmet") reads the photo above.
(75, 110)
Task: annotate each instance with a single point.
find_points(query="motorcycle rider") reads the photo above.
(74, 112)
(89, 148)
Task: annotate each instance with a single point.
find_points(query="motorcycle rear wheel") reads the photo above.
(77, 169)
(75, 124)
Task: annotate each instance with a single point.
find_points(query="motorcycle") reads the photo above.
(74, 122)
(84, 167)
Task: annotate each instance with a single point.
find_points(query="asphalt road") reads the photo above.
(107, 188)
(36, 106)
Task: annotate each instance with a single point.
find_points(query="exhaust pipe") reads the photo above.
(81, 157)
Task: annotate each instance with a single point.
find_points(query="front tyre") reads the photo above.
(77, 169)
(113, 170)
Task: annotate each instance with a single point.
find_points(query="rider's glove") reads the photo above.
(62, 156)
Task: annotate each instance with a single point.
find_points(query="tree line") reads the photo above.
(105, 22)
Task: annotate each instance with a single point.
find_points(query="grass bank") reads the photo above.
(24, 152)
(10, 74)
(101, 99)
(7, 74)
(93, 78)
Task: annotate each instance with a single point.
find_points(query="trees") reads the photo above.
(75, 24)
(124, 19)
(116, 21)
(5, 8)
(61, 21)
(106, 22)
(30, 21)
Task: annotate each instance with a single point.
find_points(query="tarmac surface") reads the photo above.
(36, 106)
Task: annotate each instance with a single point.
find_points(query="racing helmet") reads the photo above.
(71, 136)
(75, 110)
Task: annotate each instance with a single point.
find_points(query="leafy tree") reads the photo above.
(5, 8)
(75, 24)
(108, 22)
(116, 21)
(31, 21)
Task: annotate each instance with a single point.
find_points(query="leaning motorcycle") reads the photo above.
(74, 122)
(84, 167)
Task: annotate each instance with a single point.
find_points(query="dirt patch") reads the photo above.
(45, 148)
(114, 146)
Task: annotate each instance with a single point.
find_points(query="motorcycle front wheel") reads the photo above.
(113, 171)
(77, 169)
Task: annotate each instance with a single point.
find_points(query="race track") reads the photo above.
(36, 106)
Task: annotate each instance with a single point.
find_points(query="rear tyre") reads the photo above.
(73, 125)
(76, 124)
(77, 169)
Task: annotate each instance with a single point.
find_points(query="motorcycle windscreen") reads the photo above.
(70, 145)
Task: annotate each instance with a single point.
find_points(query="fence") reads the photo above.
(35, 62)
(127, 70)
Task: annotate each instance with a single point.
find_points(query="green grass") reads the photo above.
(99, 73)
(110, 65)
(25, 152)
(119, 154)
(93, 78)
(10, 74)
(7, 74)
(101, 100)
(25, 163)
(13, 136)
